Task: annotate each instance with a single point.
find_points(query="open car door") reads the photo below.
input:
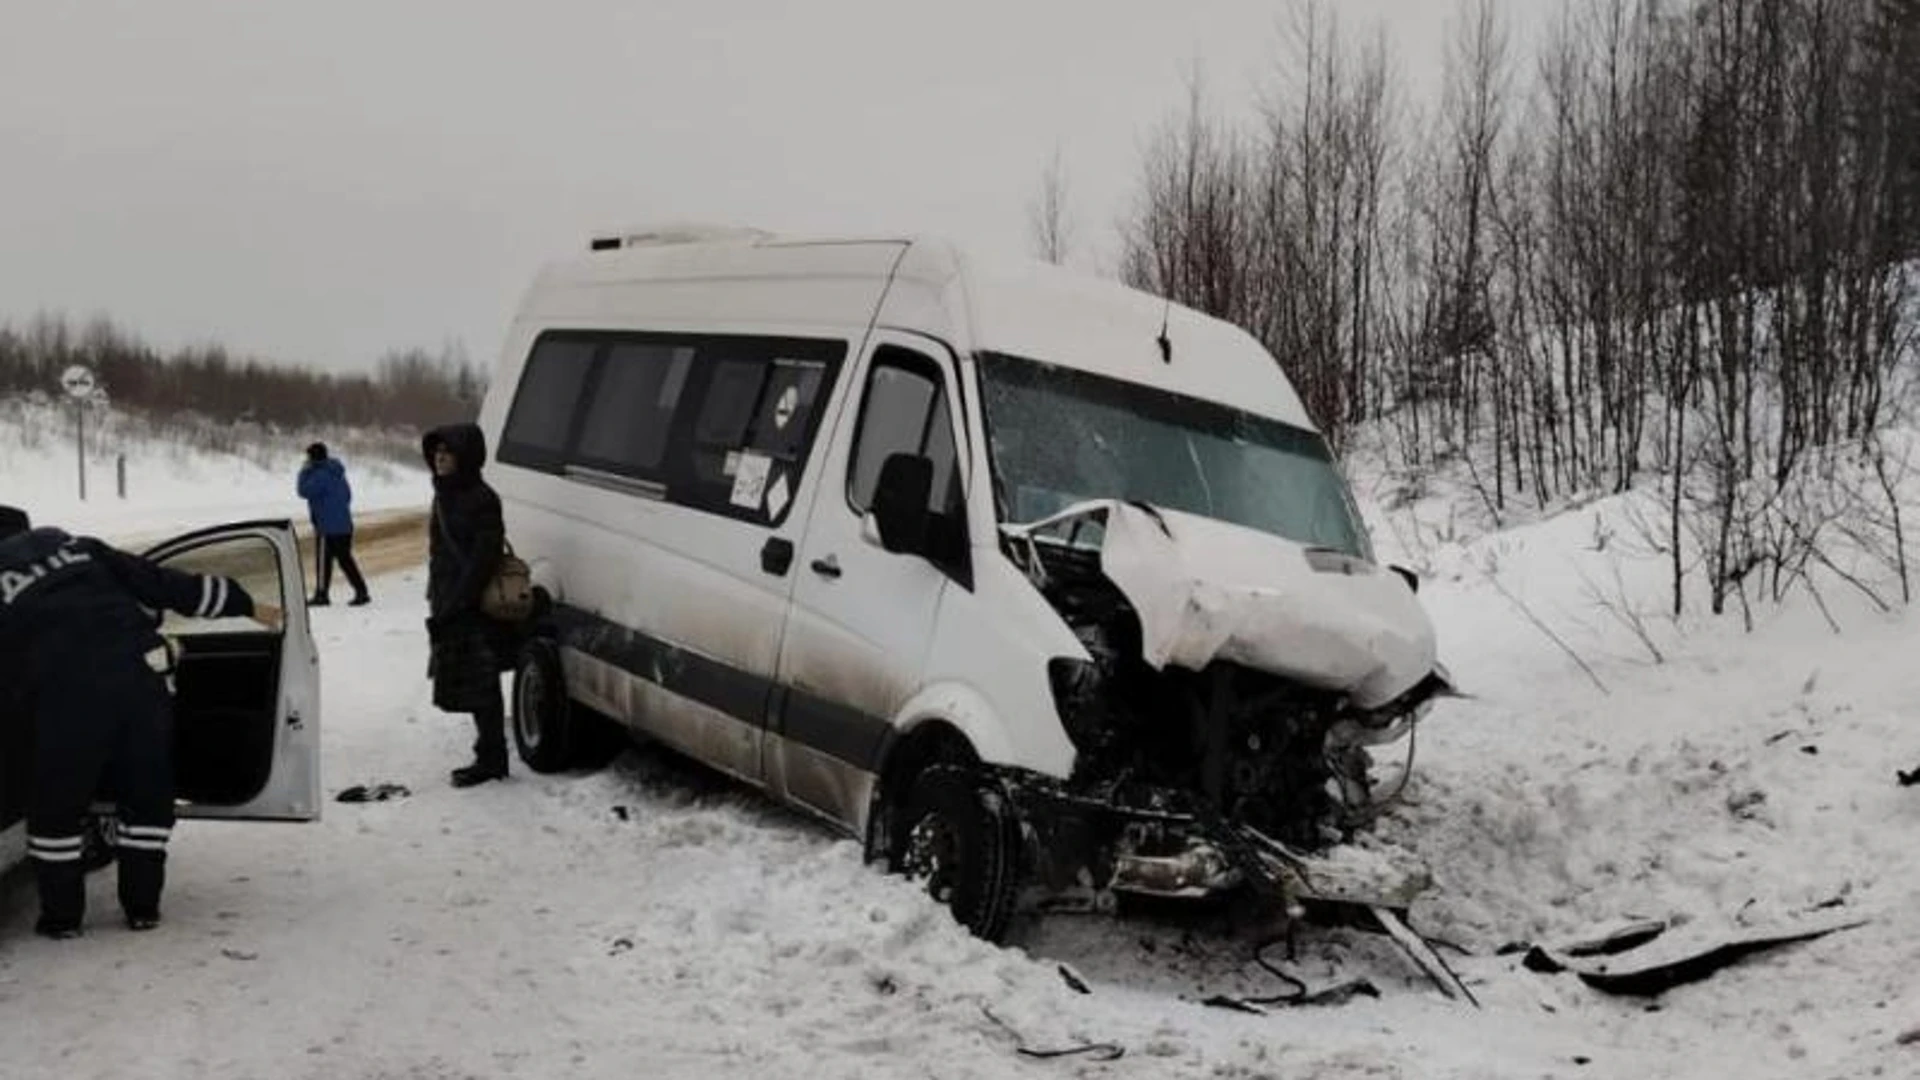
(246, 709)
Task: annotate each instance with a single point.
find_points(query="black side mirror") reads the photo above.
(1412, 579)
(900, 503)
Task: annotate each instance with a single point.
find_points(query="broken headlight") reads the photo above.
(1391, 723)
(1377, 728)
(1076, 698)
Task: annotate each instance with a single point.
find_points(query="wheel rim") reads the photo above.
(526, 713)
(933, 856)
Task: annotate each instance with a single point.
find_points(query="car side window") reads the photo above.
(248, 560)
(904, 411)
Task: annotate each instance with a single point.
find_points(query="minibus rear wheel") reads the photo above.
(543, 721)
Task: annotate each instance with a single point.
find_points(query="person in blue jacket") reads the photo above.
(323, 483)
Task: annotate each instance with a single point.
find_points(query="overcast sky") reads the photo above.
(321, 182)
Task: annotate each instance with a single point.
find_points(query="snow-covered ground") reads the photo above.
(649, 920)
(170, 487)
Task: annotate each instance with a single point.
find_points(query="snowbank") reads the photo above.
(171, 486)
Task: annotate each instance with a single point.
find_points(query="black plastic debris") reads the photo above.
(1612, 941)
(1342, 992)
(1668, 960)
(1909, 777)
(363, 793)
(1337, 994)
(1629, 935)
(1094, 1051)
(1541, 962)
(619, 946)
(623, 813)
(1073, 981)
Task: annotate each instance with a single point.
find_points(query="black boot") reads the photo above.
(56, 929)
(63, 899)
(142, 876)
(484, 768)
(489, 750)
(479, 772)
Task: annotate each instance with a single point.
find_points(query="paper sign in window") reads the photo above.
(750, 481)
(778, 496)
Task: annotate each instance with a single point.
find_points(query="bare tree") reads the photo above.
(1671, 253)
(1186, 237)
(408, 389)
(1318, 213)
(1464, 321)
(1049, 217)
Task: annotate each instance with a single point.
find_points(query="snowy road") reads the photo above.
(648, 921)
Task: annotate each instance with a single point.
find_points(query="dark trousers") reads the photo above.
(490, 736)
(110, 732)
(464, 663)
(338, 548)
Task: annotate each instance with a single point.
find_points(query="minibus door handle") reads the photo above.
(828, 567)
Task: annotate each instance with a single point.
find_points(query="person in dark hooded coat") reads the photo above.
(468, 649)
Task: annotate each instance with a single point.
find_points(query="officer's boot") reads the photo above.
(142, 875)
(63, 899)
(489, 750)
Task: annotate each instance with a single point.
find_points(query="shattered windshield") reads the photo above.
(1061, 437)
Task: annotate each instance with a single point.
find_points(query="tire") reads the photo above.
(543, 725)
(957, 836)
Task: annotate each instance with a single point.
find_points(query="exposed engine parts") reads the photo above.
(1230, 743)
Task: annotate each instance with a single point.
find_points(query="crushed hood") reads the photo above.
(1206, 590)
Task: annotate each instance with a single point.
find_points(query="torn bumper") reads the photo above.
(1198, 871)
(1155, 848)
(1343, 874)
(1371, 876)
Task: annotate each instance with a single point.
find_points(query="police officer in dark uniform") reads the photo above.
(79, 647)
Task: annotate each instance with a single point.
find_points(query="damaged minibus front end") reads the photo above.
(1232, 686)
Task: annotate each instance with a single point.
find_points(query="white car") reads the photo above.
(1035, 583)
(246, 710)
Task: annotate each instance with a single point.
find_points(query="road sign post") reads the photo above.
(80, 386)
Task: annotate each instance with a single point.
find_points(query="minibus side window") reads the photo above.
(752, 411)
(541, 424)
(631, 414)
